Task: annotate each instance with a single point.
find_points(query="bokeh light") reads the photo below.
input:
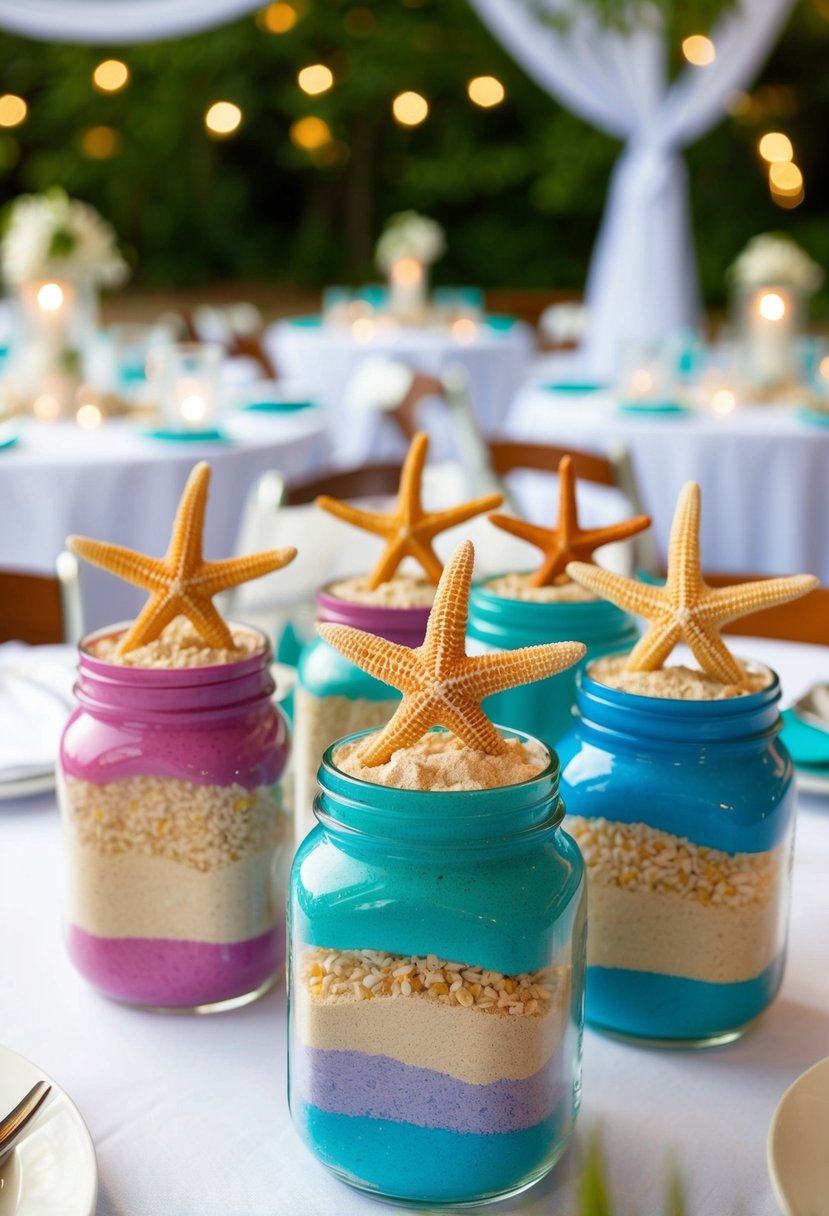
(88, 416)
(50, 297)
(99, 143)
(110, 76)
(310, 132)
(316, 78)
(278, 18)
(223, 118)
(699, 50)
(13, 110)
(409, 109)
(785, 178)
(771, 306)
(723, 401)
(486, 91)
(775, 146)
(46, 407)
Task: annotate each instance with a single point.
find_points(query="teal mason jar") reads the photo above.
(436, 986)
(543, 709)
(684, 812)
(334, 698)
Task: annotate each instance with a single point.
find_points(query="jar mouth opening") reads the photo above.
(550, 773)
(483, 586)
(206, 672)
(331, 603)
(676, 705)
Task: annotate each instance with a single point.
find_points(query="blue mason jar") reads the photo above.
(684, 812)
(334, 698)
(543, 709)
(436, 986)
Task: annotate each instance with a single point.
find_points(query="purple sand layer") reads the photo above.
(165, 971)
(379, 1087)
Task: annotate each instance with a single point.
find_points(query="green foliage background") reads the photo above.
(520, 188)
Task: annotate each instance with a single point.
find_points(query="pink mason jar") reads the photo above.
(177, 846)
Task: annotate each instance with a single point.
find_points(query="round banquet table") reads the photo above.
(325, 358)
(118, 484)
(189, 1115)
(763, 472)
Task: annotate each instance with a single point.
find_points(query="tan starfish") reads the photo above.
(441, 684)
(566, 542)
(181, 582)
(686, 608)
(409, 529)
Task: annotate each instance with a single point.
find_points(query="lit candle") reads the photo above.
(407, 288)
(188, 384)
(770, 329)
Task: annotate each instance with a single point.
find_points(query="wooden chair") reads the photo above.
(368, 481)
(39, 608)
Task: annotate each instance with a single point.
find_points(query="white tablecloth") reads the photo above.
(189, 1115)
(119, 485)
(764, 473)
(326, 357)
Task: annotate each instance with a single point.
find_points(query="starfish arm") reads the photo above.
(388, 662)
(470, 724)
(411, 478)
(489, 673)
(726, 604)
(411, 720)
(711, 652)
(369, 521)
(568, 516)
(532, 533)
(554, 564)
(641, 598)
(185, 548)
(218, 576)
(594, 538)
(209, 625)
(445, 640)
(440, 521)
(656, 643)
(387, 563)
(423, 552)
(158, 611)
(151, 573)
(684, 582)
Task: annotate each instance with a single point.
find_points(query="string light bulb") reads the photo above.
(278, 18)
(13, 110)
(409, 109)
(223, 118)
(110, 76)
(486, 91)
(775, 147)
(785, 178)
(699, 50)
(310, 132)
(315, 79)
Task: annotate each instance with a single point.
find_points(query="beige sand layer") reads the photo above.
(178, 646)
(465, 1043)
(516, 586)
(439, 761)
(127, 896)
(402, 591)
(203, 826)
(675, 683)
(672, 935)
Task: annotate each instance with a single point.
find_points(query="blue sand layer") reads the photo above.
(427, 1165)
(648, 1005)
(353, 1083)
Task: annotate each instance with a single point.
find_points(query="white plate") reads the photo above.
(811, 783)
(25, 787)
(53, 1171)
(796, 1147)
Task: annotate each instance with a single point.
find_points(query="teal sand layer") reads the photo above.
(645, 1004)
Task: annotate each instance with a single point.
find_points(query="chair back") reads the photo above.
(42, 608)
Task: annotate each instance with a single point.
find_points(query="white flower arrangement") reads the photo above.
(409, 235)
(52, 235)
(772, 259)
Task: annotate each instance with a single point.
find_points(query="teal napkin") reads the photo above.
(808, 745)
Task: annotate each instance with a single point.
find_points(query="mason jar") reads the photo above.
(333, 697)
(684, 812)
(177, 849)
(436, 986)
(545, 708)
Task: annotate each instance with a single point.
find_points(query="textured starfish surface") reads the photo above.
(441, 684)
(409, 529)
(686, 608)
(181, 582)
(566, 542)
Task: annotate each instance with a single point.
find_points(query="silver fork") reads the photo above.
(18, 1119)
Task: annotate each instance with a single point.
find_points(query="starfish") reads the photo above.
(566, 541)
(409, 529)
(181, 582)
(686, 608)
(441, 684)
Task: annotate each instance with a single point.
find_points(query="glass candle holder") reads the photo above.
(186, 378)
(54, 323)
(176, 843)
(647, 375)
(408, 283)
(684, 811)
(768, 320)
(435, 1014)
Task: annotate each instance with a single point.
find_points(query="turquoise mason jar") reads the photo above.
(436, 986)
(684, 811)
(543, 709)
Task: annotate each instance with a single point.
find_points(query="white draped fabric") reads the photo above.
(642, 282)
(117, 21)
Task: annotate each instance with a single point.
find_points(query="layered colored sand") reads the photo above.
(427, 1079)
(679, 934)
(174, 896)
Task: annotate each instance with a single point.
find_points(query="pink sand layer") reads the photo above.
(163, 971)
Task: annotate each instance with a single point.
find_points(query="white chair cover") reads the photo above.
(117, 21)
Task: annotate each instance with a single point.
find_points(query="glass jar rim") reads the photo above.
(678, 705)
(206, 673)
